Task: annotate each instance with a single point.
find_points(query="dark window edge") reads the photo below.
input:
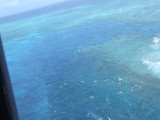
(8, 109)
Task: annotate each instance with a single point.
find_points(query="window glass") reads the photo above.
(83, 59)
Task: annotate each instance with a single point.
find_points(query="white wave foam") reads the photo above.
(153, 66)
(156, 43)
(146, 62)
(94, 116)
(156, 40)
(119, 79)
(152, 60)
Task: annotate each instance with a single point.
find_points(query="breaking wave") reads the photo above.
(152, 60)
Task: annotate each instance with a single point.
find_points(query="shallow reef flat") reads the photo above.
(120, 71)
(128, 55)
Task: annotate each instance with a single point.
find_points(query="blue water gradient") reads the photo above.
(77, 64)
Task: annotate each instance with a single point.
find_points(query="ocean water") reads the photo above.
(96, 61)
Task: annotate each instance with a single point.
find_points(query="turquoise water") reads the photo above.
(90, 62)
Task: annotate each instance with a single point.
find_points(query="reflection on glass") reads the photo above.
(84, 60)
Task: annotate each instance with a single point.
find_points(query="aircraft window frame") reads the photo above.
(8, 109)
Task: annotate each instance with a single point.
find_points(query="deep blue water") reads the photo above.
(102, 69)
